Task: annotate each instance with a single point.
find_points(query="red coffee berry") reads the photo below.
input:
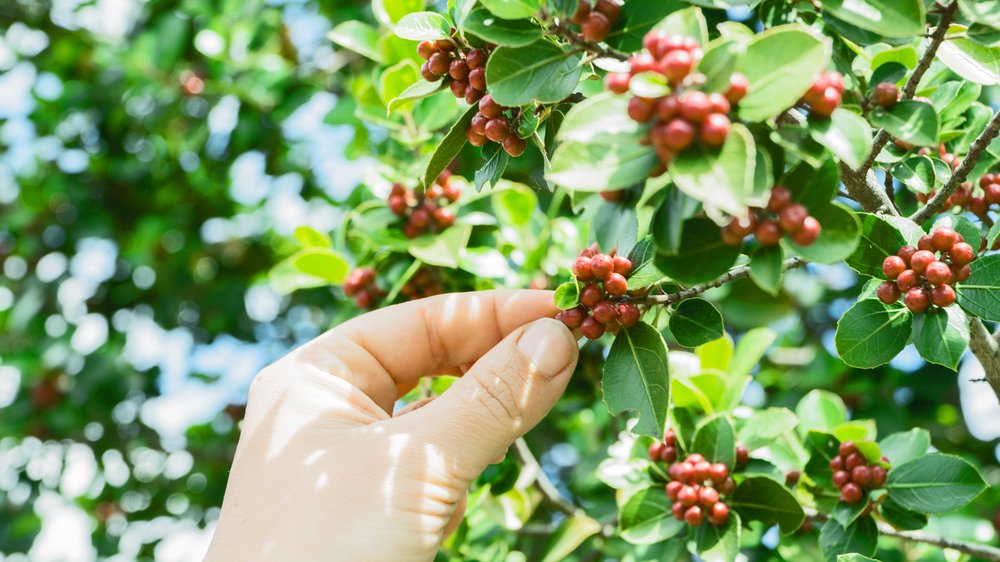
(595, 27)
(961, 272)
(677, 134)
(825, 104)
(728, 487)
(888, 292)
(925, 243)
(694, 458)
(673, 487)
(609, 8)
(670, 438)
(439, 63)
(961, 254)
(853, 460)
(848, 447)
(514, 145)
(851, 493)
(445, 45)
(573, 318)
(840, 478)
(861, 475)
(943, 238)
(472, 95)
(688, 496)
(987, 179)
(878, 476)
(792, 217)
(907, 280)
(718, 473)
(943, 296)
(742, 455)
(605, 312)
(694, 105)
(885, 94)
(459, 69)
(667, 108)
(641, 109)
(781, 196)
(938, 273)
(426, 48)
(581, 269)
(419, 217)
(708, 496)
(835, 80)
(364, 299)
(991, 193)
(478, 124)
(475, 139)
(792, 477)
(694, 516)
(920, 260)
(714, 130)
(719, 513)
(616, 285)
(444, 217)
(702, 470)
(397, 204)
(489, 108)
(676, 65)
(738, 87)
(768, 233)
(892, 266)
(719, 103)
(979, 206)
(837, 463)
(809, 232)
(669, 454)
(617, 82)
(678, 509)
(628, 314)
(730, 236)
(591, 328)
(425, 72)
(477, 77)
(816, 89)
(497, 129)
(623, 265)
(582, 11)
(602, 265)
(916, 300)
(591, 295)
(643, 62)
(684, 472)
(906, 252)
(477, 58)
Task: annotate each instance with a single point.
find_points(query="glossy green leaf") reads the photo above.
(979, 295)
(845, 134)
(900, 517)
(840, 234)
(860, 538)
(891, 18)
(879, 238)
(513, 9)
(636, 19)
(449, 147)
(941, 335)
(970, 60)
(695, 321)
(419, 89)
(420, 26)
(615, 226)
(871, 333)
(322, 263)
(516, 75)
(358, 37)
(716, 441)
(763, 427)
(572, 532)
(636, 378)
(905, 446)
(821, 410)
(766, 267)
(507, 32)
(720, 179)
(911, 121)
(934, 483)
(779, 64)
(567, 295)
(702, 256)
(646, 518)
(443, 249)
(719, 544)
(759, 498)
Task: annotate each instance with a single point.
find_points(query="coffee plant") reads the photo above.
(688, 178)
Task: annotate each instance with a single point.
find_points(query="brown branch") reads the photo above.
(734, 274)
(882, 138)
(986, 348)
(865, 189)
(961, 173)
(560, 29)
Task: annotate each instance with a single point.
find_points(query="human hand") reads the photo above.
(324, 472)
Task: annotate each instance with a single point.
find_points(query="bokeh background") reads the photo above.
(155, 158)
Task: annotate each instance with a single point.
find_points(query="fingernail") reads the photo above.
(549, 345)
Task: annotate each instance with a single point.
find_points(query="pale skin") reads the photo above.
(325, 471)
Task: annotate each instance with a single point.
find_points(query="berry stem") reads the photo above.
(734, 274)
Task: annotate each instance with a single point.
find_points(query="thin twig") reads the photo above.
(560, 29)
(961, 173)
(542, 481)
(734, 274)
(890, 189)
(947, 14)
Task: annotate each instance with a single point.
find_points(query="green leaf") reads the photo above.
(917, 173)
(695, 321)
(905, 446)
(941, 335)
(567, 295)
(444, 249)
(912, 121)
(615, 226)
(516, 75)
(854, 557)
(759, 498)
(871, 333)
(820, 409)
(688, 22)
(750, 350)
(822, 448)
(285, 279)
(716, 441)
(891, 18)
(668, 221)
(449, 147)
(636, 378)
(846, 134)
(879, 239)
(982, 11)
(934, 483)
(719, 544)
(719, 63)
(419, 89)
(979, 295)
(840, 234)
(766, 267)
(309, 237)
(646, 518)
(513, 9)
(780, 64)
(396, 79)
(861, 538)
(573, 531)
(904, 54)
(491, 171)
(763, 427)
(636, 19)
(420, 26)
(600, 147)
(514, 205)
(847, 513)
(813, 187)
(970, 60)
(322, 263)
(720, 179)
(892, 72)
(358, 37)
(900, 517)
(703, 255)
(507, 32)
(649, 85)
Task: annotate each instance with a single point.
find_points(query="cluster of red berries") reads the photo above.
(596, 18)
(853, 475)
(424, 211)
(921, 276)
(685, 115)
(494, 122)
(463, 68)
(964, 197)
(426, 282)
(825, 93)
(781, 216)
(695, 486)
(603, 277)
(360, 284)
(885, 94)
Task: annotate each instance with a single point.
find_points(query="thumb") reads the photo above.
(506, 393)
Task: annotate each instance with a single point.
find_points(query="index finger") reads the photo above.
(399, 344)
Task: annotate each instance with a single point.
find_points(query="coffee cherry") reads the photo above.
(678, 134)
(582, 11)
(702, 470)
(397, 204)
(667, 108)
(978, 206)
(991, 193)
(458, 88)
(738, 87)
(924, 243)
(477, 78)
(591, 328)
(851, 493)
(792, 217)
(581, 269)
(596, 27)
(916, 300)
(444, 217)
(888, 292)
(892, 266)
(943, 239)
(654, 455)
(364, 299)
(514, 145)
(878, 476)
(445, 45)
(617, 82)
(792, 477)
(853, 460)
(605, 312)
(497, 129)
(906, 252)
(719, 103)
(742, 455)
(907, 280)
(943, 296)
(809, 232)
(885, 94)
(707, 497)
(728, 487)
(478, 124)
(476, 58)
(489, 108)
(835, 80)
(688, 496)
(781, 196)
(669, 454)
(961, 272)
(591, 295)
(840, 478)
(837, 463)
(623, 265)
(459, 69)
(861, 475)
(616, 285)
(573, 318)
(938, 273)
(694, 106)
(961, 254)
(672, 487)
(609, 8)
(920, 260)
(425, 72)
(719, 514)
(678, 509)
(641, 109)
(816, 89)
(602, 265)
(628, 314)
(824, 106)
(676, 66)
(426, 48)
(439, 63)
(694, 516)
(475, 139)
(847, 448)
(714, 130)
(768, 233)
